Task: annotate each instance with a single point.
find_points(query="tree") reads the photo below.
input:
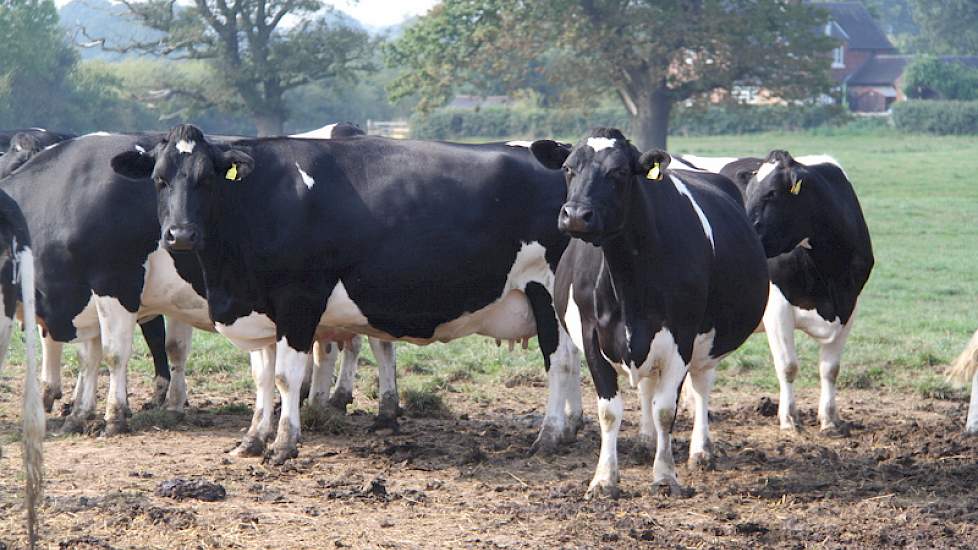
(251, 50)
(651, 53)
(35, 63)
(947, 26)
(931, 77)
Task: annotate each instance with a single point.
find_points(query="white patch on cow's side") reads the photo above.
(707, 229)
(709, 164)
(765, 170)
(94, 134)
(250, 333)
(139, 148)
(518, 143)
(326, 132)
(186, 146)
(306, 178)
(572, 320)
(600, 143)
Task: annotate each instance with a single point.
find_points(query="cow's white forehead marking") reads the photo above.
(186, 146)
(306, 178)
(766, 169)
(519, 144)
(600, 143)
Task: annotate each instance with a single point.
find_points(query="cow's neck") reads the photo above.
(631, 258)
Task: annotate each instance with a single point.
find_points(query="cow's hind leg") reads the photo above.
(971, 425)
(83, 401)
(323, 361)
(830, 356)
(290, 365)
(117, 327)
(343, 392)
(646, 424)
(563, 363)
(178, 338)
(701, 378)
(51, 351)
(263, 374)
(387, 377)
(154, 332)
(779, 324)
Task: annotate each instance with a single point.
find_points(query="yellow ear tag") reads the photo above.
(232, 173)
(654, 173)
(795, 188)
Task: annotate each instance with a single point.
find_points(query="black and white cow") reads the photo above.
(664, 277)
(24, 145)
(401, 240)
(812, 290)
(820, 256)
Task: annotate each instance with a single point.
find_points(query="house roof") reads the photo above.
(880, 70)
(864, 33)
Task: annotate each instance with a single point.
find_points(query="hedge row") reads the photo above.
(936, 117)
(714, 120)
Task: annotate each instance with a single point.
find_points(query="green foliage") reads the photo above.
(498, 123)
(927, 77)
(947, 26)
(936, 117)
(652, 54)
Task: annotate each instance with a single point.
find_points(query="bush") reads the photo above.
(936, 117)
(930, 76)
(712, 120)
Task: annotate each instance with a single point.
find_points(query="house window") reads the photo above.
(839, 58)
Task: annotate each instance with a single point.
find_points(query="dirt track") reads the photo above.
(905, 477)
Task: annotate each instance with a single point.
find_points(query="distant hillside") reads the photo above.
(102, 19)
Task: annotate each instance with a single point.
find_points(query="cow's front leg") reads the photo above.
(263, 373)
(664, 400)
(290, 366)
(117, 326)
(646, 424)
(51, 352)
(611, 408)
(154, 333)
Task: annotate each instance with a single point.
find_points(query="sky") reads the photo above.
(374, 13)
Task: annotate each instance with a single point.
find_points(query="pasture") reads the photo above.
(459, 475)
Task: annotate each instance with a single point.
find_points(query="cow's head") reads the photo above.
(780, 203)
(22, 147)
(602, 171)
(188, 173)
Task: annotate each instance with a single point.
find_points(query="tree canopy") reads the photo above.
(947, 26)
(256, 50)
(652, 54)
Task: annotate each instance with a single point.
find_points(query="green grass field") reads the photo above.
(921, 200)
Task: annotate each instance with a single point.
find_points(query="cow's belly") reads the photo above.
(165, 292)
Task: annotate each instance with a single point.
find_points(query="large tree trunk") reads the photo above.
(269, 124)
(651, 122)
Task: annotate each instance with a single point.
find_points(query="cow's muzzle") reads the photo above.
(579, 221)
(182, 237)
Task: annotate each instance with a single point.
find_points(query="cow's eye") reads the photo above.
(620, 173)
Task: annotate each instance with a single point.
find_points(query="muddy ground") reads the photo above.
(905, 477)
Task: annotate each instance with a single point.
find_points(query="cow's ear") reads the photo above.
(743, 176)
(550, 153)
(652, 163)
(781, 157)
(235, 164)
(134, 164)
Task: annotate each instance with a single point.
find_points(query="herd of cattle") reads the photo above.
(654, 266)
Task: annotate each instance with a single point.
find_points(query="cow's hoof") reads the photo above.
(279, 456)
(604, 488)
(73, 425)
(340, 399)
(574, 425)
(50, 395)
(668, 487)
(160, 387)
(385, 424)
(702, 461)
(835, 429)
(548, 441)
(115, 427)
(249, 447)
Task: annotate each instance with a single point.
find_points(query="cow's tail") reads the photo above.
(964, 367)
(33, 413)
